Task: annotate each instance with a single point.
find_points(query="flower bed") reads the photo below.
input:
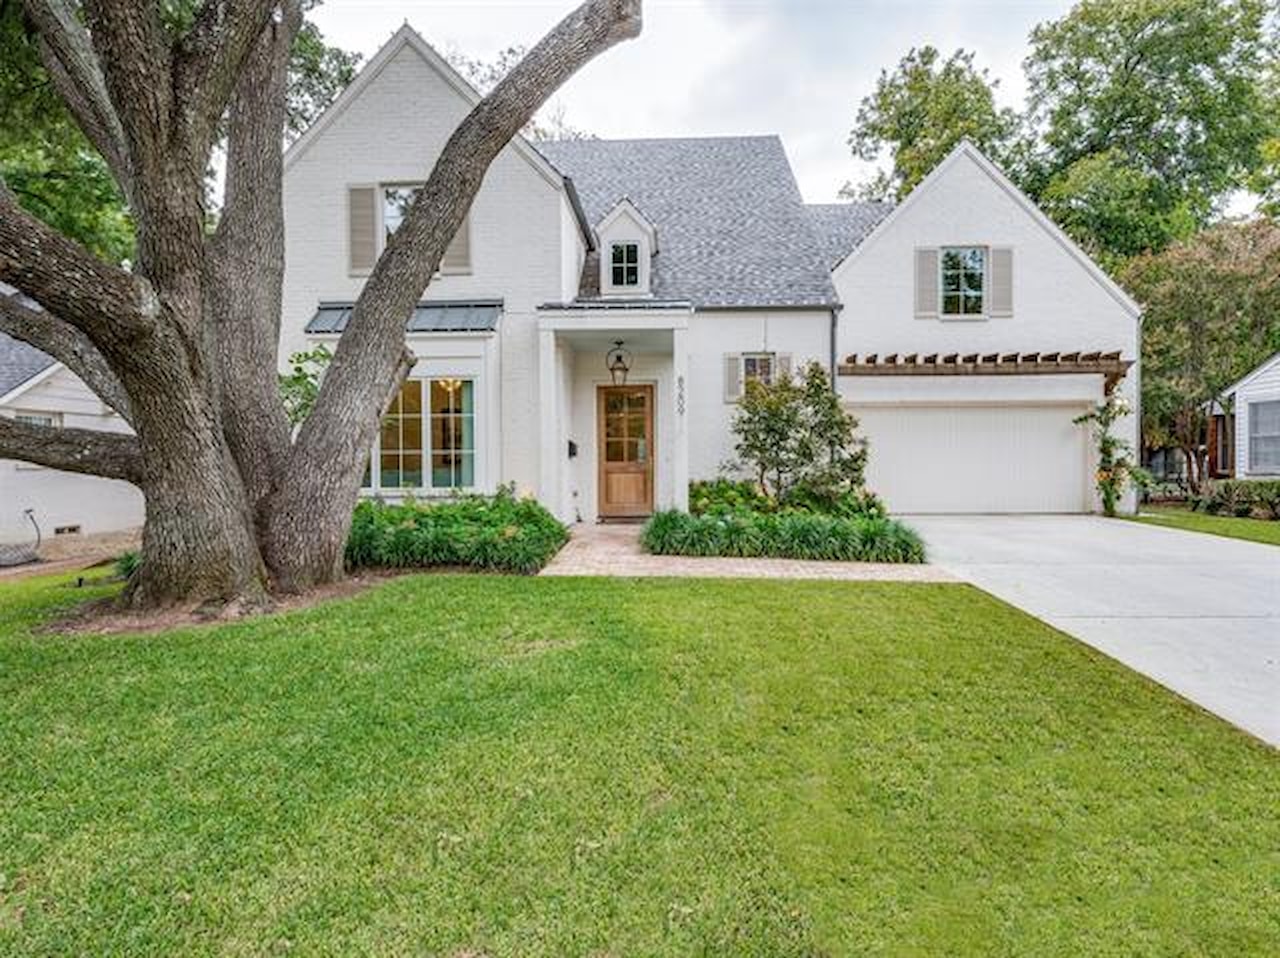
(786, 535)
(499, 533)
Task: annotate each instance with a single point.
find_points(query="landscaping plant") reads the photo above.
(500, 533)
(1116, 468)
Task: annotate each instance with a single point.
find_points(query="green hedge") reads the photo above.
(741, 497)
(500, 533)
(1241, 497)
(792, 535)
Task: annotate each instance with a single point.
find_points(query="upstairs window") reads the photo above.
(963, 275)
(396, 201)
(757, 368)
(624, 263)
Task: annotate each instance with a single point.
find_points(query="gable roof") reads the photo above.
(408, 37)
(839, 227)
(966, 150)
(734, 229)
(1252, 374)
(19, 364)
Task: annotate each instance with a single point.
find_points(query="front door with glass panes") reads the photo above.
(427, 441)
(625, 418)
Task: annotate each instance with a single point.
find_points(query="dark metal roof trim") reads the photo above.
(429, 316)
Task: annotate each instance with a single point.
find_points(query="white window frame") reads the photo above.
(375, 487)
(942, 273)
(757, 357)
(1256, 468)
(625, 244)
(381, 232)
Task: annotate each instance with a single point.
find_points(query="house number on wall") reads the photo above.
(680, 395)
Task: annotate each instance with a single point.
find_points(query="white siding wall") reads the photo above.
(65, 498)
(1264, 387)
(392, 132)
(1057, 304)
(806, 336)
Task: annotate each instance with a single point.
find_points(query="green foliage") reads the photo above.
(729, 497)
(919, 112)
(1170, 92)
(1243, 498)
(301, 384)
(793, 435)
(1179, 517)
(785, 535)
(498, 533)
(1116, 468)
(127, 564)
(317, 74)
(1212, 313)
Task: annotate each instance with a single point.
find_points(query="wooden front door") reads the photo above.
(625, 421)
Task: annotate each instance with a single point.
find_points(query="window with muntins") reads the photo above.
(396, 201)
(427, 439)
(758, 368)
(624, 263)
(963, 277)
(1264, 437)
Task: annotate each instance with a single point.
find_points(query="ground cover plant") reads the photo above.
(501, 533)
(502, 766)
(1234, 527)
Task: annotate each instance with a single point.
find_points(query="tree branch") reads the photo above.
(69, 58)
(347, 408)
(66, 344)
(107, 454)
(105, 302)
(209, 60)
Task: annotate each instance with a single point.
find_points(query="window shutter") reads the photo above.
(1000, 301)
(927, 280)
(457, 257)
(732, 377)
(362, 228)
(784, 365)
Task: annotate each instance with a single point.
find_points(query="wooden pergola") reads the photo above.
(1108, 365)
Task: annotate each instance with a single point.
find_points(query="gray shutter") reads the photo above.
(457, 257)
(362, 228)
(732, 377)
(784, 364)
(927, 281)
(1000, 299)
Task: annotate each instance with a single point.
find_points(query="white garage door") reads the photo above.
(1006, 458)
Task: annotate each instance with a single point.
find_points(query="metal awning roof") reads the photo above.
(443, 316)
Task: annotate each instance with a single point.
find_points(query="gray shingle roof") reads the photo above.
(840, 227)
(19, 362)
(732, 228)
(428, 317)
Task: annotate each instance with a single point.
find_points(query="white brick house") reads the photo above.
(966, 330)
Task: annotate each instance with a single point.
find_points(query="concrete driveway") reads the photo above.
(1200, 614)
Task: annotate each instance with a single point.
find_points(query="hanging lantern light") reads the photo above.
(618, 362)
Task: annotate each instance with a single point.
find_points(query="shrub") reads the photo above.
(783, 535)
(1241, 498)
(743, 497)
(127, 564)
(499, 533)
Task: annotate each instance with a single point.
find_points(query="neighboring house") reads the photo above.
(967, 330)
(36, 388)
(1244, 442)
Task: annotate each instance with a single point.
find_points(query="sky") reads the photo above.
(797, 68)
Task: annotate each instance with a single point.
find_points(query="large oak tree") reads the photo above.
(184, 345)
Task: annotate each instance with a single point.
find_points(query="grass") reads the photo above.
(477, 765)
(1180, 517)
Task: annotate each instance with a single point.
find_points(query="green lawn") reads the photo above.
(492, 766)
(1180, 517)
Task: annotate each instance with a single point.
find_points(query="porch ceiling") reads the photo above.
(638, 341)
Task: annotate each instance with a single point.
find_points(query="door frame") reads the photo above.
(603, 389)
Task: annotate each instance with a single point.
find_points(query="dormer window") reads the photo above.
(624, 262)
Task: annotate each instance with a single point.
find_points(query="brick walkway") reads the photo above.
(614, 550)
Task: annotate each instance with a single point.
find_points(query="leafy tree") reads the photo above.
(798, 441)
(919, 112)
(1149, 114)
(184, 345)
(300, 386)
(1212, 313)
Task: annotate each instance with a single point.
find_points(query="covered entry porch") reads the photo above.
(613, 429)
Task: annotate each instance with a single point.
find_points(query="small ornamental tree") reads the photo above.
(796, 440)
(1116, 468)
